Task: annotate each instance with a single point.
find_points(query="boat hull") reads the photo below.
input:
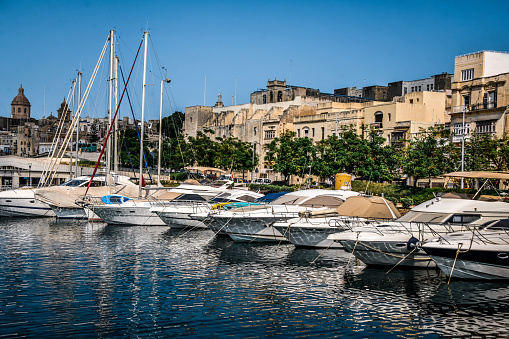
(255, 229)
(24, 207)
(309, 236)
(132, 216)
(488, 264)
(388, 253)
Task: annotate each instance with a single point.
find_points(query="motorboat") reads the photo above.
(144, 211)
(63, 199)
(177, 213)
(312, 228)
(476, 254)
(395, 242)
(253, 223)
(21, 202)
(215, 224)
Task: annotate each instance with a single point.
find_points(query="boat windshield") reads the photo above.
(416, 216)
(74, 183)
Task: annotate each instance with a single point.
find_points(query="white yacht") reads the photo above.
(177, 213)
(253, 222)
(143, 211)
(395, 243)
(62, 199)
(312, 228)
(476, 254)
(21, 202)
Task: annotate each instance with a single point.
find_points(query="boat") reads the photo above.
(63, 199)
(395, 242)
(21, 202)
(476, 254)
(216, 225)
(201, 199)
(312, 228)
(253, 223)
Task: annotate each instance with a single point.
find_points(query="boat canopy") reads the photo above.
(478, 175)
(368, 207)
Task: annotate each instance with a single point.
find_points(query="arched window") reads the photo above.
(379, 117)
(19, 110)
(265, 98)
(279, 96)
(271, 96)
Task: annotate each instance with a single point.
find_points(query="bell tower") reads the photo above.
(20, 105)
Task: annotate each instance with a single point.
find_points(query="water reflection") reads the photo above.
(79, 279)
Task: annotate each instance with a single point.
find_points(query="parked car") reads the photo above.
(265, 181)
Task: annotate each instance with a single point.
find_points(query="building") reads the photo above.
(20, 105)
(480, 94)
(439, 82)
(406, 116)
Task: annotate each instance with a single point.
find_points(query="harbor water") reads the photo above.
(85, 280)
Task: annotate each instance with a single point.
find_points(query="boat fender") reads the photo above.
(412, 243)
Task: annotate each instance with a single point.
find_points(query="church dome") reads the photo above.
(21, 99)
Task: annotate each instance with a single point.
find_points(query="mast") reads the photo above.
(77, 127)
(115, 148)
(64, 114)
(143, 113)
(160, 133)
(110, 105)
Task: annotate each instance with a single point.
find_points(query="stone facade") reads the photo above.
(480, 94)
(20, 106)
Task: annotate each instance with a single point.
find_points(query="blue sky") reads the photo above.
(331, 44)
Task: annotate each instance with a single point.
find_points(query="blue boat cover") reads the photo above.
(114, 199)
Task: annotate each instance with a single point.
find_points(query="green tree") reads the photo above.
(93, 134)
(289, 155)
(429, 155)
(201, 149)
(172, 125)
(234, 155)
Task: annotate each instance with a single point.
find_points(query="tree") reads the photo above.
(93, 134)
(201, 149)
(234, 155)
(172, 125)
(289, 155)
(429, 155)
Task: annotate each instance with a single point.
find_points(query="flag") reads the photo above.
(142, 181)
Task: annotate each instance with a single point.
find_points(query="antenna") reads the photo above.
(205, 90)
(235, 91)
(290, 72)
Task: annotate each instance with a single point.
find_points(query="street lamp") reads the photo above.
(29, 174)
(252, 172)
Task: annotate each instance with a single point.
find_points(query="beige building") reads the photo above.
(20, 105)
(406, 116)
(480, 94)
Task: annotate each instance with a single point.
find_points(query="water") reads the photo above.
(83, 280)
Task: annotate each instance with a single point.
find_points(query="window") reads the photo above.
(467, 74)
(411, 101)
(405, 90)
(487, 126)
(457, 129)
(255, 130)
(463, 218)
(412, 88)
(270, 134)
(306, 132)
(298, 133)
(420, 89)
(466, 100)
(271, 96)
(427, 87)
(265, 98)
(431, 86)
(279, 96)
(490, 100)
(313, 132)
(19, 110)
(323, 133)
(25, 110)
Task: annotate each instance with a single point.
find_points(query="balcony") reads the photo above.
(460, 109)
(457, 138)
(403, 125)
(476, 107)
(378, 125)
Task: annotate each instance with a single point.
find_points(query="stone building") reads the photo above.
(64, 111)
(480, 94)
(20, 105)
(439, 82)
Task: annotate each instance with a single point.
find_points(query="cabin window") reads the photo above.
(463, 218)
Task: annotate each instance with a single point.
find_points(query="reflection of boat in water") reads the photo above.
(419, 302)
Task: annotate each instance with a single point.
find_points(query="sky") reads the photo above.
(234, 47)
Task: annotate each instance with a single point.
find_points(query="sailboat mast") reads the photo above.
(77, 127)
(64, 113)
(160, 132)
(143, 112)
(110, 105)
(115, 148)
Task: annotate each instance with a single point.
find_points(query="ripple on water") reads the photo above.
(78, 279)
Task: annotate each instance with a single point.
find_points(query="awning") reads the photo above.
(478, 175)
(205, 169)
